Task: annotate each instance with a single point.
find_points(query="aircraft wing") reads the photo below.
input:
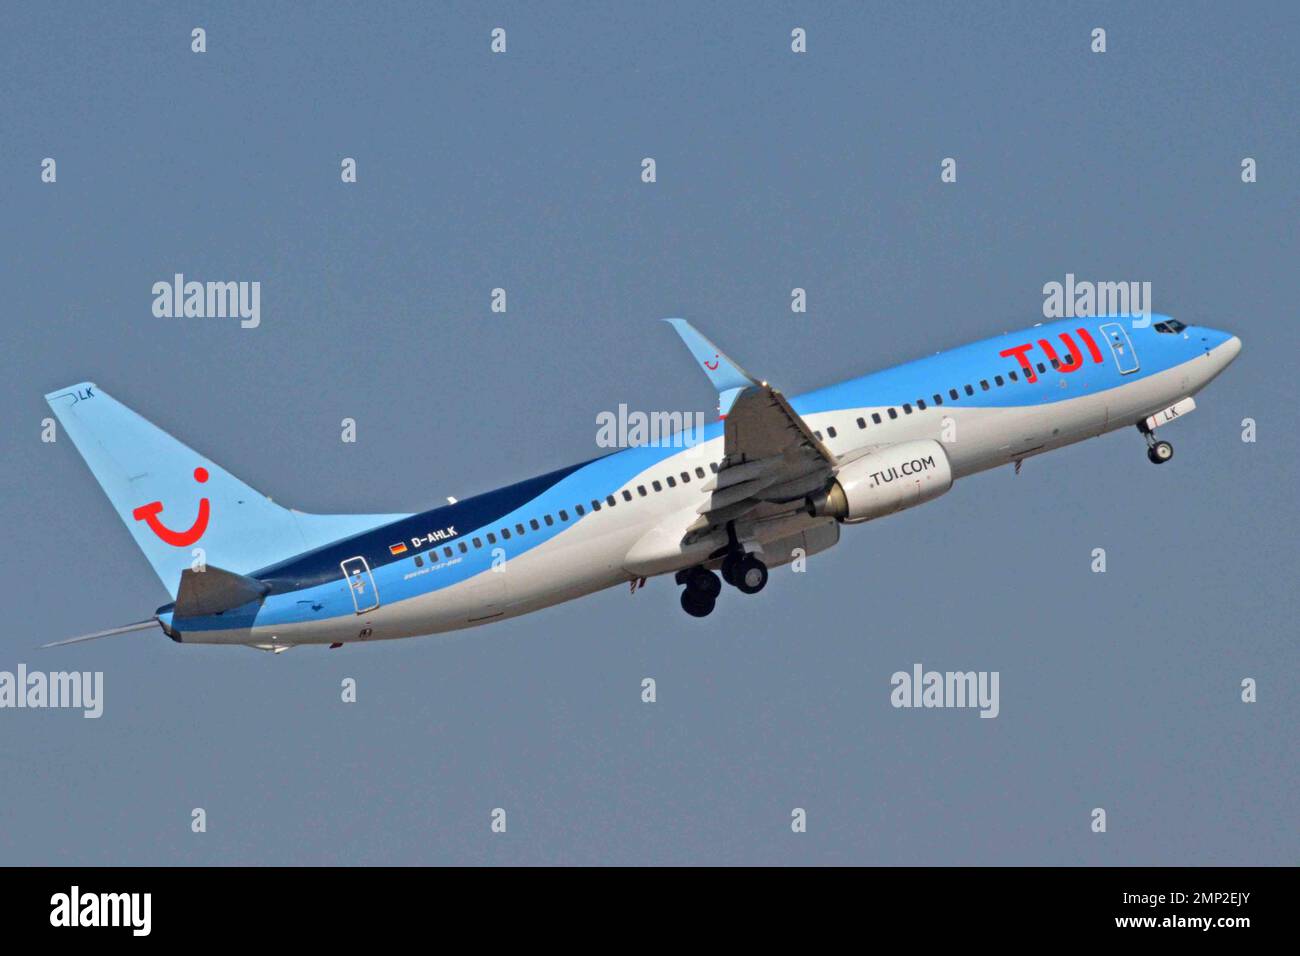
(771, 455)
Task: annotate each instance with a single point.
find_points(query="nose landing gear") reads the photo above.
(1158, 451)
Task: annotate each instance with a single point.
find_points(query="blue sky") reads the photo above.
(775, 171)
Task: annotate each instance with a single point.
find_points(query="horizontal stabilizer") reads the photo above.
(214, 590)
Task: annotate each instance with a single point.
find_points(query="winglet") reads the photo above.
(727, 377)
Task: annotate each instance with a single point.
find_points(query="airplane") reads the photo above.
(772, 479)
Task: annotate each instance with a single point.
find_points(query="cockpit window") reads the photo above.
(1171, 327)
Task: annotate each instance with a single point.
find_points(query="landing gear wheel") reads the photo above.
(696, 606)
(1160, 452)
(750, 575)
(703, 583)
(728, 569)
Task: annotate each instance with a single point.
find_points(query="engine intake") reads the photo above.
(883, 482)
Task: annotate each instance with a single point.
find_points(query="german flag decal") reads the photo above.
(399, 548)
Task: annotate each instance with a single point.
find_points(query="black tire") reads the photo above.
(729, 570)
(1160, 452)
(704, 583)
(751, 575)
(696, 606)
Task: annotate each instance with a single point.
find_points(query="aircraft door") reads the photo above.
(365, 597)
(1120, 347)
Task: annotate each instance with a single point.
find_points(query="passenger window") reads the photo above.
(564, 515)
(672, 482)
(1042, 368)
(532, 523)
(875, 417)
(447, 552)
(984, 384)
(549, 520)
(998, 380)
(952, 393)
(478, 543)
(1013, 376)
(519, 529)
(714, 466)
(699, 472)
(686, 477)
(938, 399)
(817, 435)
(579, 510)
(610, 500)
(627, 495)
(893, 413)
(505, 533)
(920, 404)
(419, 561)
(969, 390)
(862, 423)
(595, 505)
(907, 408)
(1056, 363)
(831, 431)
(492, 539)
(463, 549)
(640, 490)
(656, 486)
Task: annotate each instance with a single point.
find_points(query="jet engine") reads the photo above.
(882, 482)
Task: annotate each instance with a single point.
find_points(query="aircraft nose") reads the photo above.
(1221, 344)
(1220, 348)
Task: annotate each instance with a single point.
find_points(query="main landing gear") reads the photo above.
(1158, 452)
(701, 591)
(744, 572)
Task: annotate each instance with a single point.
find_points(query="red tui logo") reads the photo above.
(177, 539)
(1076, 357)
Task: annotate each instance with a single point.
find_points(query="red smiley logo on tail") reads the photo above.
(177, 539)
(712, 366)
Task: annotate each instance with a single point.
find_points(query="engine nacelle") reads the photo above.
(885, 481)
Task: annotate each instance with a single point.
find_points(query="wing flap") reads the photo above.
(770, 455)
